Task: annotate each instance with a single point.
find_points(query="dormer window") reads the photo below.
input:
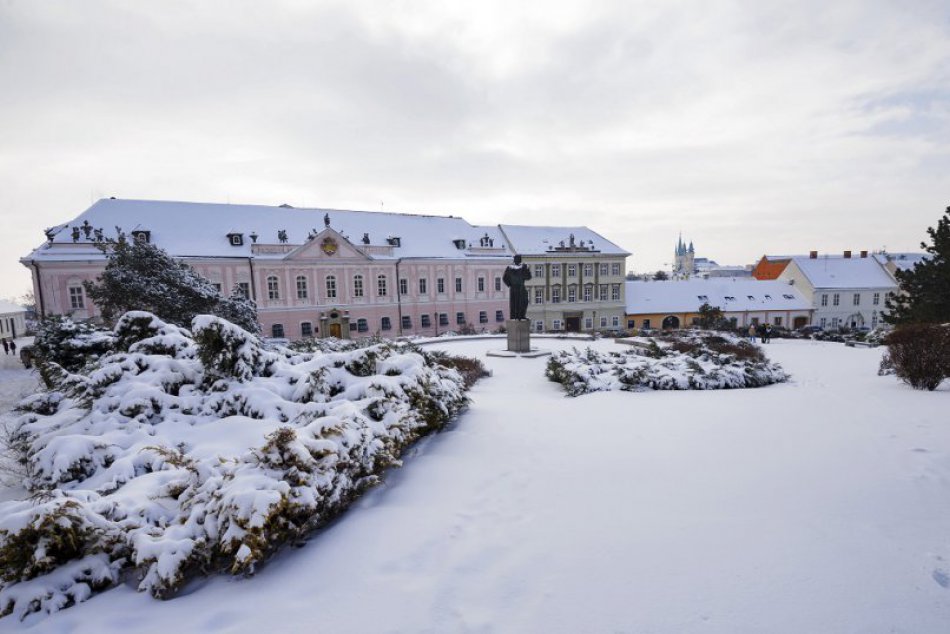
(141, 236)
(236, 239)
(459, 243)
(394, 241)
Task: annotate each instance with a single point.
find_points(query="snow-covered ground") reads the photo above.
(819, 505)
(15, 383)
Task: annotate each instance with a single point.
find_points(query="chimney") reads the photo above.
(864, 254)
(813, 255)
(847, 254)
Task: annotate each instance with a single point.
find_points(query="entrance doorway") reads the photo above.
(671, 323)
(335, 330)
(572, 324)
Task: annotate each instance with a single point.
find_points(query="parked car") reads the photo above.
(810, 330)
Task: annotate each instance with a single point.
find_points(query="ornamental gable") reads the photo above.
(326, 245)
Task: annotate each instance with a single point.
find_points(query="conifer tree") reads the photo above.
(925, 289)
(142, 276)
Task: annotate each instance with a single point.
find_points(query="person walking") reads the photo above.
(12, 347)
(752, 333)
(768, 333)
(6, 347)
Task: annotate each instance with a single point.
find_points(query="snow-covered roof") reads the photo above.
(201, 230)
(901, 261)
(836, 271)
(8, 308)
(729, 294)
(529, 240)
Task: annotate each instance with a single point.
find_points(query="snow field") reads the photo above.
(817, 505)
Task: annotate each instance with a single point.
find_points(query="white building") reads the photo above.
(744, 302)
(12, 320)
(845, 291)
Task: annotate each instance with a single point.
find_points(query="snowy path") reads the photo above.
(822, 505)
(15, 383)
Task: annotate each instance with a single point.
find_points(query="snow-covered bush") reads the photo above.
(69, 344)
(692, 360)
(181, 454)
(919, 354)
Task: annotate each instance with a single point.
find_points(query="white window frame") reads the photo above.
(273, 287)
(538, 294)
(302, 290)
(381, 285)
(555, 270)
(77, 298)
(572, 270)
(358, 289)
(331, 286)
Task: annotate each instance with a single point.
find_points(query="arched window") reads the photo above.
(331, 287)
(357, 286)
(381, 286)
(273, 287)
(301, 287)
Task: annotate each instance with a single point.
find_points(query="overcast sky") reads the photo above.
(752, 127)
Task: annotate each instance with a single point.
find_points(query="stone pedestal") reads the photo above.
(519, 335)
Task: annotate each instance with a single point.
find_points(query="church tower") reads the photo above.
(684, 259)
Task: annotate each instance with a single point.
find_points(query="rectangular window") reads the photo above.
(483, 316)
(874, 319)
(631, 324)
(403, 286)
(778, 321)
(588, 323)
(572, 293)
(406, 322)
(381, 286)
(823, 322)
(460, 318)
(539, 326)
(603, 322)
(440, 285)
(857, 299)
(646, 324)
(301, 287)
(386, 324)
(603, 292)
(499, 315)
(604, 267)
(615, 321)
(458, 285)
(555, 270)
(555, 324)
(422, 286)
(555, 294)
(361, 325)
(443, 319)
(277, 331)
(539, 271)
(876, 300)
(306, 329)
(615, 292)
(481, 285)
(588, 270)
(588, 293)
(357, 286)
(497, 283)
(538, 295)
(425, 321)
(273, 289)
(615, 268)
(331, 287)
(244, 289)
(824, 299)
(572, 270)
(835, 299)
(76, 298)
(834, 322)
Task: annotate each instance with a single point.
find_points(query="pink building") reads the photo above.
(312, 272)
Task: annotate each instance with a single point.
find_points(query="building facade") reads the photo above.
(312, 272)
(845, 291)
(675, 303)
(577, 278)
(12, 320)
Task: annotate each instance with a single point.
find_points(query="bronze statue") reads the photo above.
(515, 276)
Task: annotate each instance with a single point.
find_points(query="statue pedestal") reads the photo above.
(519, 335)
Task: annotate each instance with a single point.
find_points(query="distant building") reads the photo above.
(577, 282)
(676, 303)
(894, 262)
(770, 266)
(12, 320)
(686, 265)
(845, 291)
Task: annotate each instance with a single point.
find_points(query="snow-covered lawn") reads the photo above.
(818, 505)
